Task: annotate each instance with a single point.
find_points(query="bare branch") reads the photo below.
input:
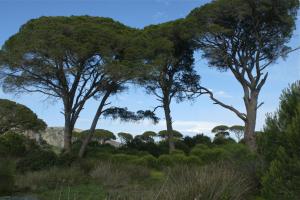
(204, 90)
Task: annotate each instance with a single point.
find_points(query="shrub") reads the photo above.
(279, 146)
(101, 156)
(66, 159)
(148, 161)
(223, 141)
(123, 158)
(181, 146)
(178, 152)
(6, 177)
(208, 155)
(178, 159)
(197, 139)
(165, 160)
(37, 160)
(13, 145)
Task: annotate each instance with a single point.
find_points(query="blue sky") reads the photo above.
(189, 117)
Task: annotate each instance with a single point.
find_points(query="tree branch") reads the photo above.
(204, 90)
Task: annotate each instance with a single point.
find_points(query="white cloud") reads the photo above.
(223, 94)
(193, 127)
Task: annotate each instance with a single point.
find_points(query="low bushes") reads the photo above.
(6, 177)
(233, 152)
(37, 160)
(13, 145)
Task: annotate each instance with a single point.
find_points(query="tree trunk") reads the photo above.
(250, 123)
(169, 126)
(93, 126)
(68, 132)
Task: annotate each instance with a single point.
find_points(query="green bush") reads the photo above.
(193, 160)
(13, 145)
(279, 146)
(123, 158)
(148, 161)
(208, 155)
(178, 159)
(233, 152)
(66, 159)
(165, 160)
(6, 177)
(37, 160)
(177, 151)
(101, 156)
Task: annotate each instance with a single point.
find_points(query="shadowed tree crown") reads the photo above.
(69, 58)
(169, 53)
(17, 117)
(244, 37)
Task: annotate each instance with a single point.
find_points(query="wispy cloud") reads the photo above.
(192, 127)
(223, 94)
(159, 15)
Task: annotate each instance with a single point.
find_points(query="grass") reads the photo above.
(119, 181)
(78, 192)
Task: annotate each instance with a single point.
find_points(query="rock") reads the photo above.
(55, 137)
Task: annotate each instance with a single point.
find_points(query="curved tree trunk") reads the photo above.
(169, 126)
(92, 129)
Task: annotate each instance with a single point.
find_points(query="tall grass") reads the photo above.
(117, 181)
(213, 182)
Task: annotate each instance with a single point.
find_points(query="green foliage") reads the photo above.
(178, 159)
(66, 159)
(147, 161)
(125, 137)
(19, 118)
(237, 153)
(37, 160)
(197, 139)
(220, 140)
(261, 26)
(220, 128)
(164, 134)
(282, 179)
(13, 145)
(79, 192)
(101, 135)
(125, 115)
(148, 136)
(137, 144)
(7, 178)
(220, 131)
(70, 58)
(123, 158)
(238, 131)
(279, 145)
